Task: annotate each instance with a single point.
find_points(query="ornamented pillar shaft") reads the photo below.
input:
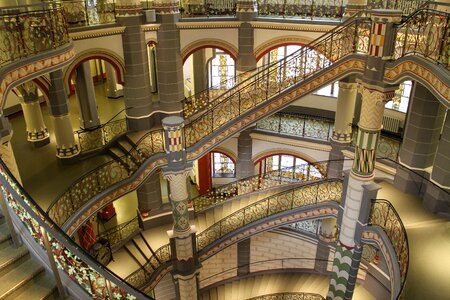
(168, 57)
(245, 167)
(137, 91)
(37, 132)
(84, 90)
(342, 132)
(66, 147)
(359, 188)
(182, 236)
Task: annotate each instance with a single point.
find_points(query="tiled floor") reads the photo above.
(44, 179)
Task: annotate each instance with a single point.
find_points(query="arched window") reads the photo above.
(222, 166)
(221, 70)
(288, 166)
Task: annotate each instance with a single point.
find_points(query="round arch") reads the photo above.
(209, 43)
(271, 44)
(111, 57)
(226, 152)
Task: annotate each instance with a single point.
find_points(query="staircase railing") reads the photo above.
(406, 6)
(121, 232)
(30, 29)
(383, 214)
(310, 194)
(300, 173)
(311, 9)
(95, 138)
(290, 296)
(95, 279)
(427, 33)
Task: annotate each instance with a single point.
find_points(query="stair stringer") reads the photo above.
(353, 64)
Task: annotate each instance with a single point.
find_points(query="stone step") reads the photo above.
(10, 257)
(38, 288)
(4, 233)
(19, 276)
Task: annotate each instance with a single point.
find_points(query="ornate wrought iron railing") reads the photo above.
(275, 79)
(99, 180)
(260, 182)
(383, 214)
(406, 6)
(298, 125)
(144, 274)
(95, 279)
(321, 129)
(312, 9)
(31, 29)
(208, 8)
(121, 232)
(310, 194)
(87, 13)
(95, 138)
(425, 33)
(289, 296)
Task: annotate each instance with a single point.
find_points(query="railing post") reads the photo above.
(53, 267)
(4, 208)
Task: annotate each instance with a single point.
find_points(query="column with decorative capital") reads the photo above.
(342, 131)
(37, 132)
(359, 188)
(66, 147)
(182, 235)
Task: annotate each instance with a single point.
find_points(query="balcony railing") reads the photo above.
(95, 279)
(289, 296)
(30, 29)
(311, 9)
(86, 13)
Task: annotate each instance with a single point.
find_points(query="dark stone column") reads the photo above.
(85, 93)
(149, 195)
(66, 147)
(244, 166)
(200, 78)
(421, 138)
(246, 11)
(168, 58)
(137, 92)
(437, 195)
(243, 257)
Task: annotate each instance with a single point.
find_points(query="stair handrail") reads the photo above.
(399, 238)
(142, 276)
(93, 277)
(281, 260)
(247, 76)
(226, 191)
(17, 46)
(289, 295)
(106, 234)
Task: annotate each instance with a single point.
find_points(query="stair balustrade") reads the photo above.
(95, 279)
(31, 29)
(289, 296)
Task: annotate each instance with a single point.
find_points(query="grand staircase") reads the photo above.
(21, 276)
(125, 152)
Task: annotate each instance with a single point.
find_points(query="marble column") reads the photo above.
(342, 132)
(137, 91)
(37, 132)
(182, 236)
(420, 140)
(66, 147)
(359, 188)
(168, 57)
(85, 93)
(112, 88)
(244, 165)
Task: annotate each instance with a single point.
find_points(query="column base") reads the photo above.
(436, 200)
(144, 123)
(39, 143)
(68, 155)
(114, 94)
(409, 182)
